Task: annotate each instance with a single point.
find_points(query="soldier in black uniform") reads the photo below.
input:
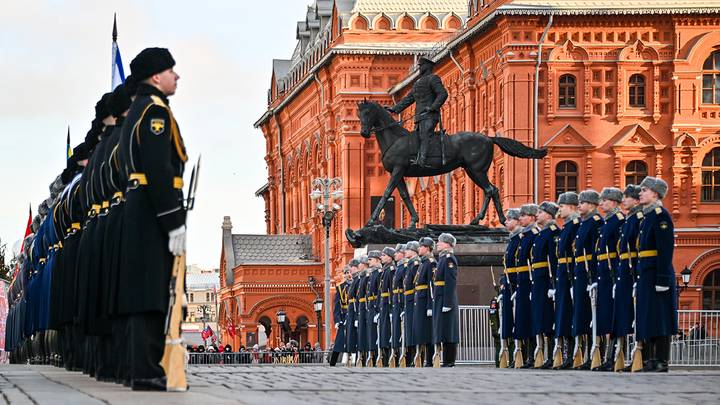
(408, 314)
(153, 229)
(446, 317)
(372, 293)
(340, 308)
(398, 301)
(422, 324)
(429, 94)
(386, 285)
(351, 331)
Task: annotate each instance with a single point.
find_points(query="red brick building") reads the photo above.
(616, 90)
(624, 89)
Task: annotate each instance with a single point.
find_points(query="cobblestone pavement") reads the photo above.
(324, 385)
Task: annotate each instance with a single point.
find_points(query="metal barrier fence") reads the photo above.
(476, 340)
(261, 357)
(697, 344)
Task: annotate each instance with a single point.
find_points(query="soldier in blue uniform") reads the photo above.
(607, 266)
(544, 264)
(523, 316)
(351, 332)
(623, 309)
(422, 324)
(408, 315)
(656, 318)
(387, 257)
(446, 317)
(567, 210)
(398, 301)
(340, 308)
(584, 270)
(508, 284)
(372, 294)
(363, 345)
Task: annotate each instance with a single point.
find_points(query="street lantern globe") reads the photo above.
(318, 305)
(685, 274)
(315, 194)
(281, 316)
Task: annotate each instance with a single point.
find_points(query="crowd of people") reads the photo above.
(571, 296)
(91, 291)
(398, 307)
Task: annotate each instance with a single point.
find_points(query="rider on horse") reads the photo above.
(429, 94)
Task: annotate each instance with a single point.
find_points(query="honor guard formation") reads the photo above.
(398, 307)
(575, 296)
(92, 291)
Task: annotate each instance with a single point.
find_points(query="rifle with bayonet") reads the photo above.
(173, 361)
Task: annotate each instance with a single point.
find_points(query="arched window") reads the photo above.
(566, 175)
(406, 23)
(711, 79)
(636, 90)
(566, 93)
(711, 176)
(635, 172)
(711, 291)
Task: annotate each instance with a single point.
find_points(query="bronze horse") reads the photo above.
(473, 151)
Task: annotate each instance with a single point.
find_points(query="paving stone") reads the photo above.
(319, 385)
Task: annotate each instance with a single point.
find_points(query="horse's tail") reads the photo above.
(517, 149)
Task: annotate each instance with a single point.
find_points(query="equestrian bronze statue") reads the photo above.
(472, 151)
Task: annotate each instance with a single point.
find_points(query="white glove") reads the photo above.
(176, 241)
(591, 287)
(356, 323)
(660, 288)
(512, 297)
(613, 295)
(446, 309)
(337, 325)
(402, 315)
(571, 294)
(428, 312)
(375, 318)
(551, 294)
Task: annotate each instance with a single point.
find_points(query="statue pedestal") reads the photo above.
(478, 248)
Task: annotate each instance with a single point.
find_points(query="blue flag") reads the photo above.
(118, 73)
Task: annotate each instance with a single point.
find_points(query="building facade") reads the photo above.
(202, 303)
(616, 90)
(623, 89)
(347, 51)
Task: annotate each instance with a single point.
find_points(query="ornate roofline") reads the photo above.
(519, 9)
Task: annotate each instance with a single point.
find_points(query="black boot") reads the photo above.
(449, 354)
(333, 358)
(568, 363)
(429, 353)
(662, 355)
(610, 350)
(529, 345)
(551, 349)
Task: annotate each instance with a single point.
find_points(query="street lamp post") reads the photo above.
(318, 306)
(685, 274)
(327, 191)
(281, 324)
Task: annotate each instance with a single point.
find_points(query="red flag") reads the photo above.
(28, 230)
